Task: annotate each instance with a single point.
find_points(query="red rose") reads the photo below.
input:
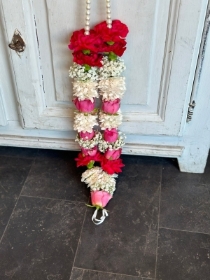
(80, 41)
(92, 59)
(85, 160)
(119, 30)
(112, 166)
(85, 106)
(110, 135)
(111, 107)
(113, 154)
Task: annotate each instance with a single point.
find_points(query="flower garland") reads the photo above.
(96, 71)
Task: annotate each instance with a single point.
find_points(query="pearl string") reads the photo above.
(108, 11)
(87, 19)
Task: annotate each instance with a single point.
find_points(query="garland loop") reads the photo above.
(96, 71)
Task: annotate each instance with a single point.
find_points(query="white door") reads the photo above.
(161, 57)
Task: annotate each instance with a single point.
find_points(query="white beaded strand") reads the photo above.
(87, 20)
(108, 11)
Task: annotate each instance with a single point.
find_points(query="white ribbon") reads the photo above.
(103, 217)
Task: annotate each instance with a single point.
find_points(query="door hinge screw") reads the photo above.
(190, 111)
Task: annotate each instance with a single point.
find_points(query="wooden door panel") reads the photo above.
(163, 46)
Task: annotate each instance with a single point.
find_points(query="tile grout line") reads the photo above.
(184, 230)
(156, 260)
(78, 242)
(16, 202)
(107, 272)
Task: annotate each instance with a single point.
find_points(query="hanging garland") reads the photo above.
(96, 72)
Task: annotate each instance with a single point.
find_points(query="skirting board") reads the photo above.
(69, 144)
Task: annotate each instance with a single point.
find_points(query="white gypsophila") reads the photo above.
(85, 90)
(89, 144)
(84, 122)
(108, 121)
(118, 144)
(78, 71)
(112, 68)
(97, 180)
(112, 88)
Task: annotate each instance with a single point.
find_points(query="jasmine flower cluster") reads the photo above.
(97, 179)
(89, 144)
(108, 121)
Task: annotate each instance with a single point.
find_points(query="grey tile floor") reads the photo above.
(158, 227)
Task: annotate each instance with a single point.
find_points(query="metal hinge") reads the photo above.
(190, 111)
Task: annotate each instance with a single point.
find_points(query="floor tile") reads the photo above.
(13, 173)
(41, 240)
(126, 242)
(171, 172)
(183, 256)
(54, 175)
(80, 274)
(77, 274)
(18, 152)
(6, 207)
(185, 202)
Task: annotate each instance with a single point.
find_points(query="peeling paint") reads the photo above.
(201, 54)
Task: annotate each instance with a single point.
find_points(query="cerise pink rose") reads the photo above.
(89, 152)
(86, 135)
(111, 106)
(112, 154)
(111, 135)
(85, 106)
(100, 198)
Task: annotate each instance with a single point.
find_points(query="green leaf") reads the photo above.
(87, 67)
(86, 51)
(110, 43)
(112, 56)
(90, 164)
(91, 206)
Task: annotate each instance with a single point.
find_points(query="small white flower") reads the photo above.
(89, 144)
(97, 179)
(78, 71)
(112, 68)
(84, 122)
(110, 121)
(85, 90)
(112, 88)
(118, 144)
